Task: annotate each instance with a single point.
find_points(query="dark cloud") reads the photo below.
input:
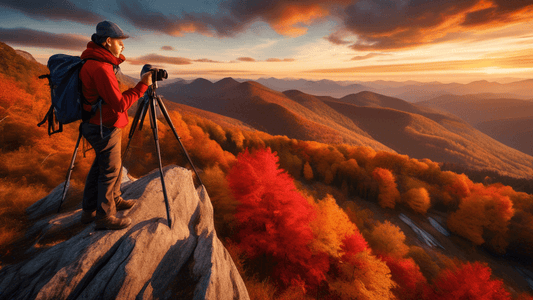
(288, 18)
(144, 17)
(57, 10)
(159, 59)
(167, 48)
(393, 25)
(280, 60)
(337, 38)
(34, 38)
(247, 59)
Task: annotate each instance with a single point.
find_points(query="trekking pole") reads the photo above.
(69, 172)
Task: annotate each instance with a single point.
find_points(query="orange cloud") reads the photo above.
(159, 59)
(286, 21)
(520, 59)
(246, 59)
(280, 60)
(367, 56)
(393, 25)
(206, 60)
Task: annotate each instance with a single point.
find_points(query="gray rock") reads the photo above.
(148, 260)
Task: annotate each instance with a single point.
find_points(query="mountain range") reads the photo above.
(467, 130)
(507, 120)
(411, 91)
(365, 118)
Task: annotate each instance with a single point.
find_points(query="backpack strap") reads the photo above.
(99, 101)
(49, 116)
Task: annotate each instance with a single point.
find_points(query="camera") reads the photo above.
(157, 74)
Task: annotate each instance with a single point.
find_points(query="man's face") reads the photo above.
(115, 46)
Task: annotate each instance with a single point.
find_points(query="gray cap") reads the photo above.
(110, 29)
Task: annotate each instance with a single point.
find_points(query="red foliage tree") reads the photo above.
(273, 218)
(468, 281)
(353, 244)
(406, 273)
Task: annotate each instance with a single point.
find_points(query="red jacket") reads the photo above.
(99, 79)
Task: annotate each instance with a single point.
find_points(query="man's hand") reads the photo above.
(147, 78)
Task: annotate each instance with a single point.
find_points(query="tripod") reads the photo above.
(146, 104)
(149, 104)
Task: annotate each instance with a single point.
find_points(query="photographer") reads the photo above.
(102, 196)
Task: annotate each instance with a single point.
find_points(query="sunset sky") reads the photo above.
(447, 41)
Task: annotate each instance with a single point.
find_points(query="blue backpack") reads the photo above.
(66, 93)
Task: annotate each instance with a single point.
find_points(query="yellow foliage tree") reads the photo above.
(363, 276)
(330, 227)
(387, 238)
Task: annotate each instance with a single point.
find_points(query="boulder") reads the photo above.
(147, 260)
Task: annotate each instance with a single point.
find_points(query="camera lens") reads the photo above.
(162, 74)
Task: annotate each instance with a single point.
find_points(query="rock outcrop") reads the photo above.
(148, 260)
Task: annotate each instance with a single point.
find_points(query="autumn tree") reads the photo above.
(427, 266)
(362, 275)
(388, 193)
(330, 227)
(417, 199)
(388, 239)
(273, 218)
(485, 213)
(308, 171)
(468, 281)
(406, 273)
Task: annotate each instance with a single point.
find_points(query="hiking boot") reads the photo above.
(112, 223)
(122, 204)
(87, 216)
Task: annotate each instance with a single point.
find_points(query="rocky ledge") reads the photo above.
(148, 260)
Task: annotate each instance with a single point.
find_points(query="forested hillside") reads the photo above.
(300, 218)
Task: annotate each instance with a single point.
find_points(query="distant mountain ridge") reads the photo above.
(410, 91)
(507, 120)
(366, 118)
(255, 105)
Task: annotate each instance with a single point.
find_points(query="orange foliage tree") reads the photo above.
(273, 219)
(417, 199)
(485, 213)
(388, 193)
(308, 171)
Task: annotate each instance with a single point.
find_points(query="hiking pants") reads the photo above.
(100, 189)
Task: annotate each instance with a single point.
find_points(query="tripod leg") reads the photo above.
(169, 121)
(153, 123)
(144, 111)
(140, 111)
(69, 172)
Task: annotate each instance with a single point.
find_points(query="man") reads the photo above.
(101, 197)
